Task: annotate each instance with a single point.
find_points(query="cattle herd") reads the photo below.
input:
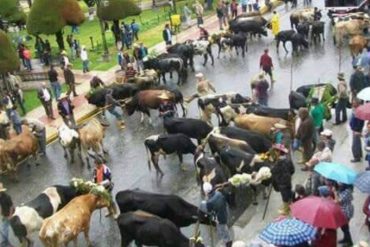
(61, 212)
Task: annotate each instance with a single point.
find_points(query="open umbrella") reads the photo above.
(319, 212)
(363, 112)
(337, 172)
(364, 94)
(288, 232)
(362, 182)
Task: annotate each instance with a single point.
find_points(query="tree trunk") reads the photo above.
(29, 3)
(59, 40)
(105, 46)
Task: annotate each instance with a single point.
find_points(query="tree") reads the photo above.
(11, 12)
(9, 60)
(46, 18)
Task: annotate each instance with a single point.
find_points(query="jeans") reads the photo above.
(316, 182)
(21, 105)
(41, 137)
(223, 233)
(244, 8)
(17, 128)
(4, 233)
(57, 89)
(85, 66)
(199, 20)
(356, 146)
(263, 101)
(347, 234)
(220, 20)
(28, 64)
(115, 113)
(341, 108)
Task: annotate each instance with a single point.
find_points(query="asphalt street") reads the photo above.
(128, 159)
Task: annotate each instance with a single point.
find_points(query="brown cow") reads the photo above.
(347, 28)
(301, 15)
(357, 44)
(65, 225)
(146, 80)
(16, 150)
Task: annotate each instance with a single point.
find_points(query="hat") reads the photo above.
(340, 76)
(2, 189)
(199, 75)
(279, 126)
(63, 52)
(324, 191)
(207, 187)
(201, 26)
(280, 147)
(326, 132)
(129, 65)
(135, 45)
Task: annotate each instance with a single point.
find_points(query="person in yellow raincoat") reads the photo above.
(275, 23)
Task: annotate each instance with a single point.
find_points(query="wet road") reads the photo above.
(127, 157)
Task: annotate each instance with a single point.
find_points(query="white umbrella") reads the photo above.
(364, 94)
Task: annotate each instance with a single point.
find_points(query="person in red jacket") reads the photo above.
(266, 65)
(366, 211)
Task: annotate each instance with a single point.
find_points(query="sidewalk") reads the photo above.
(82, 109)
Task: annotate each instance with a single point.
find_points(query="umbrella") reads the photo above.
(337, 172)
(363, 111)
(362, 182)
(364, 94)
(288, 232)
(319, 212)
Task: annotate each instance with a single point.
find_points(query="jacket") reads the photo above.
(62, 109)
(357, 81)
(217, 205)
(40, 94)
(166, 36)
(356, 124)
(282, 173)
(317, 114)
(69, 77)
(53, 75)
(306, 130)
(265, 61)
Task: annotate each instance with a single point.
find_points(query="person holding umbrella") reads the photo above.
(356, 125)
(366, 211)
(367, 146)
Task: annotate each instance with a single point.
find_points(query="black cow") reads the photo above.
(193, 128)
(283, 113)
(171, 207)
(185, 51)
(217, 142)
(318, 30)
(306, 89)
(296, 100)
(167, 63)
(236, 41)
(248, 25)
(120, 91)
(147, 229)
(304, 29)
(167, 144)
(28, 217)
(297, 40)
(258, 142)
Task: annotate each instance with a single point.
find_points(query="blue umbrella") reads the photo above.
(337, 172)
(288, 232)
(362, 182)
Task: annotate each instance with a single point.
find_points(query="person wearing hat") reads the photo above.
(343, 99)
(357, 81)
(199, 11)
(323, 154)
(261, 90)
(305, 134)
(38, 128)
(64, 60)
(130, 72)
(204, 86)
(266, 65)
(85, 59)
(357, 126)
(317, 113)
(54, 83)
(216, 205)
(45, 96)
(167, 108)
(139, 52)
(327, 136)
(7, 210)
(278, 133)
(203, 33)
(111, 104)
(282, 172)
(65, 110)
(69, 78)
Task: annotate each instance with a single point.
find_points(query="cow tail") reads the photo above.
(149, 156)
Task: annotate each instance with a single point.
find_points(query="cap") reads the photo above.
(207, 187)
(340, 76)
(199, 75)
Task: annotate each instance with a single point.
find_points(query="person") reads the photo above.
(327, 137)
(357, 81)
(69, 77)
(282, 172)
(234, 9)
(64, 61)
(135, 29)
(266, 65)
(102, 175)
(18, 95)
(96, 82)
(7, 210)
(39, 130)
(13, 80)
(126, 59)
(305, 134)
(20, 54)
(343, 196)
(204, 87)
(85, 59)
(125, 35)
(220, 15)
(316, 14)
(111, 104)
(261, 90)
(130, 72)
(199, 10)
(166, 108)
(65, 109)
(139, 55)
(325, 237)
(167, 35)
(317, 113)
(4, 124)
(54, 83)
(225, 10)
(244, 4)
(47, 53)
(69, 40)
(323, 154)
(364, 61)
(343, 99)
(16, 120)
(44, 95)
(278, 133)
(356, 125)
(275, 23)
(367, 146)
(120, 59)
(75, 48)
(27, 58)
(203, 33)
(7, 101)
(39, 47)
(366, 211)
(187, 14)
(74, 29)
(299, 192)
(216, 205)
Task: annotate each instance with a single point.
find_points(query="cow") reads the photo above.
(297, 100)
(306, 89)
(236, 41)
(167, 63)
(356, 44)
(202, 48)
(167, 144)
(193, 128)
(65, 225)
(69, 139)
(185, 51)
(217, 142)
(348, 28)
(170, 207)
(28, 218)
(252, 26)
(151, 230)
(17, 150)
(297, 40)
(148, 79)
(145, 100)
(303, 28)
(317, 31)
(301, 15)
